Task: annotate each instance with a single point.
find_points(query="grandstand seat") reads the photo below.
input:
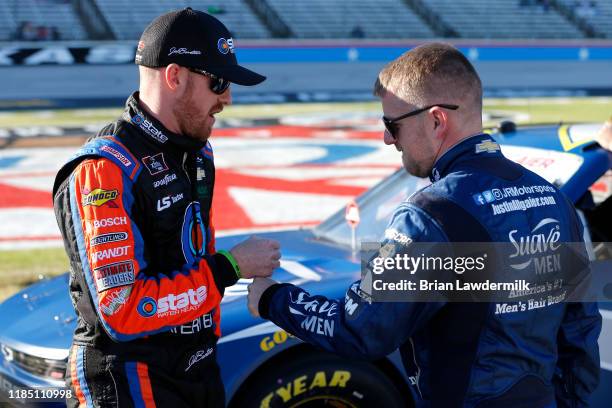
(600, 17)
(336, 18)
(48, 13)
(128, 18)
(503, 19)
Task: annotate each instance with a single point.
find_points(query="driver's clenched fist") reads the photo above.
(257, 257)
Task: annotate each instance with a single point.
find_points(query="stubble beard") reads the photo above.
(191, 122)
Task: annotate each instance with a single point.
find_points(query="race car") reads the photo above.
(261, 364)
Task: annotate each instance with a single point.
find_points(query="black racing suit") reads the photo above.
(134, 209)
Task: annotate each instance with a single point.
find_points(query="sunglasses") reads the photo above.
(391, 123)
(217, 84)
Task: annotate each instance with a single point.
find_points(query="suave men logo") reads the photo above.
(537, 247)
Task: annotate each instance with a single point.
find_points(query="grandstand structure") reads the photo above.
(504, 19)
(339, 19)
(318, 19)
(597, 14)
(128, 18)
(48, 14)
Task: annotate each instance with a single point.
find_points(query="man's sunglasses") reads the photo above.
(217, 84)
(391, 123)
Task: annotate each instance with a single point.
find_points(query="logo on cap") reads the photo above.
(225, 46)
(141, 45)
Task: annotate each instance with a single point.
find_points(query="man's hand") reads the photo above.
(256, 289)
(604, 137)
(257, 257)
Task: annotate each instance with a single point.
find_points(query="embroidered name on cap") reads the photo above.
(182, 51)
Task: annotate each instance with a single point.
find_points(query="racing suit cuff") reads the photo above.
(266, 298)
(226, 275)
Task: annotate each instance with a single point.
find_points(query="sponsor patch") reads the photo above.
(98, 197)
(113, 301)
(106, 222)
(155, 164)
(166, 202)
(522, 205)
(172, 304)
(225, 46)
(107, 238)
(487, 146)
(538, 246)
(397, 236)
(113, 275)
(168, 178)
(110, 253)
(149, 128)
(124, 160)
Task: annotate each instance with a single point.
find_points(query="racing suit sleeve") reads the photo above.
(353, 326)
(578, 364)
(130, 303)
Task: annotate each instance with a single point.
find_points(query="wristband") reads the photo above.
(231, 260)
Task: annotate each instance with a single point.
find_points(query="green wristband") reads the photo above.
(231, 260)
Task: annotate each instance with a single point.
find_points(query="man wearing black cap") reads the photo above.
(134, 209)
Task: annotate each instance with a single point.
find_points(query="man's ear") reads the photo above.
(172, 76)
(440, 119)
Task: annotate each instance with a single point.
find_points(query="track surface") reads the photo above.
(268, 177)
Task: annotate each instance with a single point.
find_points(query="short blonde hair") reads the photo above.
(432, 73)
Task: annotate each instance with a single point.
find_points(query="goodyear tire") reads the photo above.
(319, 379)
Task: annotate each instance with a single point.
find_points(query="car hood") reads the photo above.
(40, 319)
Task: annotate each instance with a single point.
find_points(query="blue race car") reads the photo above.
(262, 365)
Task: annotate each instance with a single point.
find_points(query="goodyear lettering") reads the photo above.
(113, 275)
(303, 383)
(168, 178)
(99, 197)
(109, 253)
(269, 342)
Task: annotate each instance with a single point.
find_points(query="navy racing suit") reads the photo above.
(464, 354)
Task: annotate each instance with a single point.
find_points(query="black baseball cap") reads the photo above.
(193, 39)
